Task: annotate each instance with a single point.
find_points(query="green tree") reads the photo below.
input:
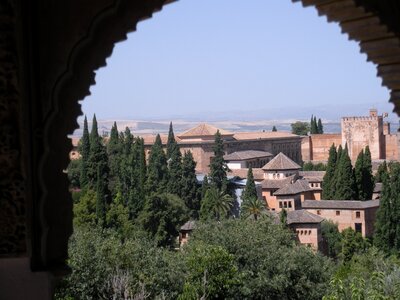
(352, 243)
(74, 173)
(117, 216)
(114, 158)
(215, 205)
(382, 172)
(218, 166)
(300, 128)
(274, 128)
(332, 238)
(85, 209)
(137, 192)
(328, 187)
(359, 174)
(84, 150)
(283, 217)
(252, 207)
(250, 191)
(270, 264)
(102, 194)
(212, 272)
(204, 187)
(189, 190)
(320, 127)
(97, 157)
(157, 168)
(387, 227)
(367, 178)
(313, 125)
(344, 181)
(174, 159)
(162, 216)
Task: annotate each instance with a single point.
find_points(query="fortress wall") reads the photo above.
(358, 132)
(392, 147)
(320, 144)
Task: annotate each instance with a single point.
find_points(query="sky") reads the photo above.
(236, 59)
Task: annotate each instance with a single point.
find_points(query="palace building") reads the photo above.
(242, 148)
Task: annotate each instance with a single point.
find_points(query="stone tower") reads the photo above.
(358, 132)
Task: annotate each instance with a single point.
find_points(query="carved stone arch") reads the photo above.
(110, 25)
(95, 38)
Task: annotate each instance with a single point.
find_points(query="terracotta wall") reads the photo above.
(308, 234)
(316, 147)
(392, 147)
(347, 218)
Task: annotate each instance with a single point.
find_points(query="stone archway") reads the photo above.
(57, 48)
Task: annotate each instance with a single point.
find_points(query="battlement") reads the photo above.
(365, 118)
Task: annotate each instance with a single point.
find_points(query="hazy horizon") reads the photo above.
(195, 61)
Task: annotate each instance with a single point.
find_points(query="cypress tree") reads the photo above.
(218, 166)
(382, 172)
(137, 191)
(98, 154)
(250, 191)
(367, 179)
(387, 226)
(157, 168)
(103, 194)
(274, 128)
(174, 159)
(114, 157)
(313, 125)
(358, 175)
(189, 193)
(328, 181)
(320, 127)
(345, 178)
(84, 150)
(127, 141)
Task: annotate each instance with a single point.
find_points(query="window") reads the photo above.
(290, 204)
(285, 204)
(358, 214)
(280, 204)
(338, 212)
(309, 232)
(318, 212)
(271, 193)
(358, 227)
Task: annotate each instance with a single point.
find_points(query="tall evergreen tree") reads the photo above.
(328, 187)
(345, 178)
(97, 156)
(137, 191)
(127, 142)
(174, 159)
(387, 226)
(314, 126)
(84, 150)
(157, 168)
(114, 156)
(382, 172)
(250, 191)
(274, 128)
(189, 190)
(368, 178)
(218, 166)
(320, 127)
(358, 175)
(102, 195)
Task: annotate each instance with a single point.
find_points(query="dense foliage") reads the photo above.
(316, 127)
(300, 128)
(342, 181)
